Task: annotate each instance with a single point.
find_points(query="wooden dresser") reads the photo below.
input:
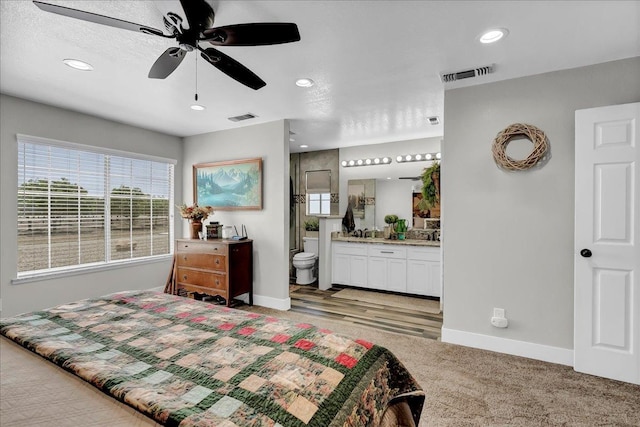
(215, 267)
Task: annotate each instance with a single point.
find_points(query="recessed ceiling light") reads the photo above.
(198, 107)
(304, 146)
(493, 35)
(78, 65)
(305, 82)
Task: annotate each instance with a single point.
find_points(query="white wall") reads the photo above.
(18, 116)
(393, 196)
(508, 236)
(269, 227)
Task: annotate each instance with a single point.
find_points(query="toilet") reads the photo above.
(305, 262)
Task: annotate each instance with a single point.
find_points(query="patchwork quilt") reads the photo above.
(189, 363)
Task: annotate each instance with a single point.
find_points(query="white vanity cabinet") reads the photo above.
(423, 270)
(387, 267)
(391, 267)
(349, 264)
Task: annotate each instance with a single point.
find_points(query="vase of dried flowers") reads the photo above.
(195, 214)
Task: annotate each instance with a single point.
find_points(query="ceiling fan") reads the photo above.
(200, 18)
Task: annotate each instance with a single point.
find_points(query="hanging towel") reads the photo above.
(348, 222)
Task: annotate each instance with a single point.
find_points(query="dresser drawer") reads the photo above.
(205, 279)
(202, 260)
(201, 246)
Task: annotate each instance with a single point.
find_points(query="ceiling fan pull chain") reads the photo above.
(196, 77)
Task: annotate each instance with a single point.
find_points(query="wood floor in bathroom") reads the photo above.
(379, 315)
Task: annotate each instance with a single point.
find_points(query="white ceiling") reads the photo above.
(376, 64)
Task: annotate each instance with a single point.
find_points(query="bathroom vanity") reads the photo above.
(407, 266)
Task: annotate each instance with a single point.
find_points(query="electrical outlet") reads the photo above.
(498, 312)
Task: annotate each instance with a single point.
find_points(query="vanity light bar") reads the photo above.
(418, 157)
(366, 162)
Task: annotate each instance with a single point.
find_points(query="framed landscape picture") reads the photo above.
(231, 185)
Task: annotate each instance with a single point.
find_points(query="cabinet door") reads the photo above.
(377, 273)
(397, 275)
(340, 269)
(423, 277)
(418, 277)
(358, 270)
(434, 279)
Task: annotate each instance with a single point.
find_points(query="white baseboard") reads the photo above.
(562, 356)
(283, 304)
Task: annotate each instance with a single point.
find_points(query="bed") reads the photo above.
(184, 362)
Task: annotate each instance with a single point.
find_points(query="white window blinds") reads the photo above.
(80, 206)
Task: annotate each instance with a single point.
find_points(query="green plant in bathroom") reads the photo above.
(391, 219)
(390, 229)
(312, 224)
(430, 186)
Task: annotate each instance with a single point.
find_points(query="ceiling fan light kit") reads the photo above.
(200, 18)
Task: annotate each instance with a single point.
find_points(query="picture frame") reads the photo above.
(229, 185)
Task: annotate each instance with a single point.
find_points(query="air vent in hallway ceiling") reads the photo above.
(243, 117)
(466, 74)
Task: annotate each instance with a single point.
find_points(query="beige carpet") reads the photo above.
(471, 387)
(400, 301)
(38, 393)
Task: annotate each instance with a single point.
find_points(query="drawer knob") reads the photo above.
(217, 261)
(184, 257)
(217, 281)
(184, 277)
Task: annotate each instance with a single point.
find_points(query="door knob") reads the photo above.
(586, 253)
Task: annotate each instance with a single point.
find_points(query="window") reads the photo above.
(318, 186)
(319, 203)
(81, 206)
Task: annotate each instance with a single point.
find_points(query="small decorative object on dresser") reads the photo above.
(222, 268)
(195, 214)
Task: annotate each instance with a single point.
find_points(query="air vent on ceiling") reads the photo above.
(243, 117)
(466, 74)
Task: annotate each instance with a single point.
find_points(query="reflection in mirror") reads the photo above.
(362, 199)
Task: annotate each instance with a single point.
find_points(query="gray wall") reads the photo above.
(18, 116)
(269, 227)
(508, 236)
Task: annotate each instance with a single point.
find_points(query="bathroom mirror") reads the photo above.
(362, 199)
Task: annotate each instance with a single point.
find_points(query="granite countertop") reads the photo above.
(381, 240)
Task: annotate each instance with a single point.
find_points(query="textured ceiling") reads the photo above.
(376, 64)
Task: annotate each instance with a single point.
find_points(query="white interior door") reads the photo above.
(607, 250)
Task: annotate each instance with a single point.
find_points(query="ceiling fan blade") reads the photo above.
(166, 63)
(232, 68)
(256, 34)
(98, 19)
(199, 14)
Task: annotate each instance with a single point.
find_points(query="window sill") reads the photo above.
(89, 269)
